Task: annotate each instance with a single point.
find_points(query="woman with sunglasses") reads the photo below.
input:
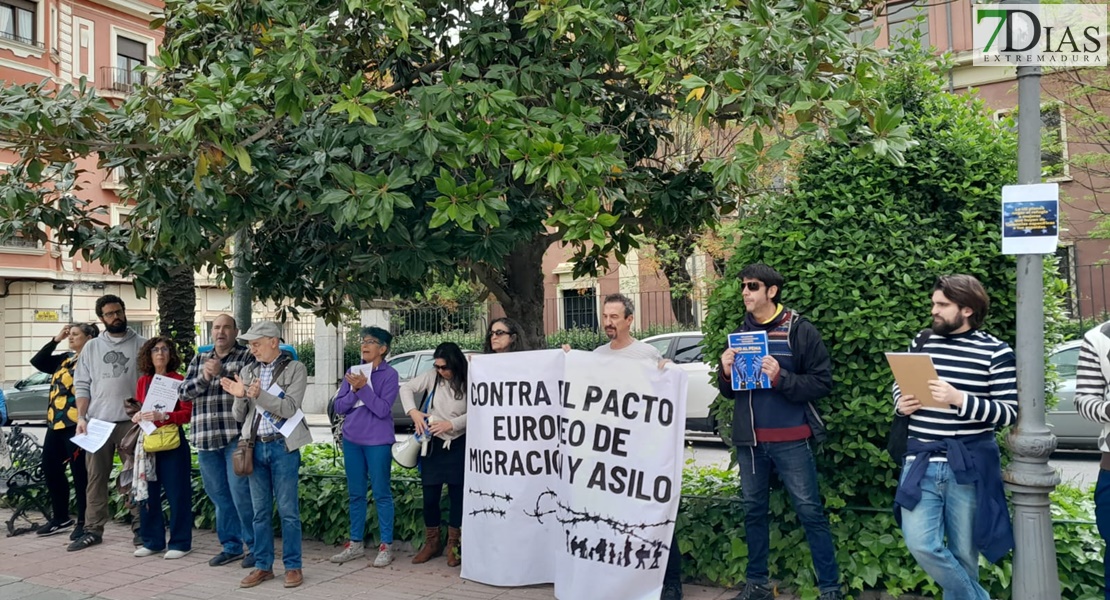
(365, 399)
(172, 468)
(436, 401)
(503, 336)
(61, 425)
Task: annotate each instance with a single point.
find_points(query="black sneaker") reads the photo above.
(224, 558)
(671, 591)
(54, 528)
(754, 591)
(77, 532)
(89, 539)
(248, 561)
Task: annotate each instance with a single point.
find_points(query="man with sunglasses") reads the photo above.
(772, 429)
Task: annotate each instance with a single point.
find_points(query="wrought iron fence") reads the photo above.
(1088, 293)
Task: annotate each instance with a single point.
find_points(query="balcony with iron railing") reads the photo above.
(120, 80)
(12, 37)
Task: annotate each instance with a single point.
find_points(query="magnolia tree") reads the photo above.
(368, 146)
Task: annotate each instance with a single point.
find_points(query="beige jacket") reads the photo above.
(446, 405)
(293, 381)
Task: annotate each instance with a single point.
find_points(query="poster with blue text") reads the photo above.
(747, 365)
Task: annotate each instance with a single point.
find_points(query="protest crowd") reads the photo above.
(238, 407)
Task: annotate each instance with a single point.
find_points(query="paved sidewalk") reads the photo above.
(33, 568)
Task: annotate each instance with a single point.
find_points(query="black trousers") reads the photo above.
(432, 514)
(57, 452)
(673, 574)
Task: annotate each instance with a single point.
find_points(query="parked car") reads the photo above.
(408, 366)
(28, 398)
(685, 349)
(1071, 429)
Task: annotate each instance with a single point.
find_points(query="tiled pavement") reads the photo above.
(33, 568)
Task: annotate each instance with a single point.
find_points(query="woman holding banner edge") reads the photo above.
(442, 412)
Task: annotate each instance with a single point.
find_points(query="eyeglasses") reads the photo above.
(753, 286)
(370, 342)
(499, 332)
(441, 367)
(160, 350)
(112, 313)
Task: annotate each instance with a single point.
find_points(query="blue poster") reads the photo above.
(747, 365)
(1030, 218)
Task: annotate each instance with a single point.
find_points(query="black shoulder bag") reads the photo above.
(900, 427)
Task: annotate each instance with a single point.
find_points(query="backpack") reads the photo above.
(900, 427)
(336, 421)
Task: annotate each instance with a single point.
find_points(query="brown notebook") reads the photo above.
(913, 371)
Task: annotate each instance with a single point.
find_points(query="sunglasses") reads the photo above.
(753, 286)
(499, 332)
(441, 367)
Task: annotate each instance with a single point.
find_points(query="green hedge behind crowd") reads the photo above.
(869, 545)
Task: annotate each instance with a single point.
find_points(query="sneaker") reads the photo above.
(224, 558)
(137, 539)
(385, 555)
(248, 561)
(351, 551)
(671, 591)
(176, 554)
(833, 595)
(78, 532)
(755, 591)
(89, 539)
(143, 552)
(54, 528)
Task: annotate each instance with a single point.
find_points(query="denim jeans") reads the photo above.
(276, 477)
(798, 472)
(173, 469)
(231, 495)
(947, 509)
(373, 462)
(1102, 520)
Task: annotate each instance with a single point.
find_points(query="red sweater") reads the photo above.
(180, 414)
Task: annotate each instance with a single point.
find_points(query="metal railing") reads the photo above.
(7, 35)
(121, 80)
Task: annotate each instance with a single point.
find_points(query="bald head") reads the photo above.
(224, 333)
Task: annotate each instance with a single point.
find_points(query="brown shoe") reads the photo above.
(256, 577)
(454, 546)
(293, 578)
(432, 546)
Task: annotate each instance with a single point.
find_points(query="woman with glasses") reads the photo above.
(503, 336)
(171, 468)
(365, 399)
(61, 425)
(436, 401)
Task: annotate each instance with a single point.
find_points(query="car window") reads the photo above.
(688, 350)
(1065, 362)
(38, 379)
(425, 364)
(403, 365)
(662, 345)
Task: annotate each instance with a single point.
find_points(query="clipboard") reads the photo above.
(912, 371)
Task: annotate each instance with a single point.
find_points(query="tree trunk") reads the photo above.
(518, 286)
(177, 305)
(681, 284)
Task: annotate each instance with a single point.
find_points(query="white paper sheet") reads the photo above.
(97, 433)
(290, 424)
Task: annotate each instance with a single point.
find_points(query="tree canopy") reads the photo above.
(368, 145)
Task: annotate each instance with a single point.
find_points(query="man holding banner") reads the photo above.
(772, 429)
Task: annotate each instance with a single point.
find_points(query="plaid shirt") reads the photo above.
(265, 379)
(213, 424)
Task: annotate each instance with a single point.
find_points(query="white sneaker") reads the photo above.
(385, 555)
(143, 551)
(351, 551)
(176, 554)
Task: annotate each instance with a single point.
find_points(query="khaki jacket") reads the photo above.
(293, 380)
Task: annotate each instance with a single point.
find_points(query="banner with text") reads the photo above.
(574, 471)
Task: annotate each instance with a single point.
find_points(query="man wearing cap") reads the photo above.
(268, 396)
(215, 434)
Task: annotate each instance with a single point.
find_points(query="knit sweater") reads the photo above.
(1091, 380)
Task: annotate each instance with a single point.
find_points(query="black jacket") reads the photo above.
(48, 362)
(808, 383)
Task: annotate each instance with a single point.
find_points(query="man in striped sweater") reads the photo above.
(951, 484)
(1091, 385)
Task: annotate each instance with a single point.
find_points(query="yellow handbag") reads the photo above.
(166, 437)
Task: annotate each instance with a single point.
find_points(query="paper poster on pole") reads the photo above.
(574, 472)
(1030, 218)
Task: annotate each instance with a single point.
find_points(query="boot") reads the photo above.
(432, 546)
(454, 546)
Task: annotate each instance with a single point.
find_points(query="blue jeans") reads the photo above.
(275, 477)
(361, 462)
(1102, 520)
(173, 469)
(798, 472)
(946, 509)
(231, 495)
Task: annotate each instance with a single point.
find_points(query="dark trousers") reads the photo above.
(1102, 521)
(673, 574)
(174, 471)
(432, 514)
(57, 452)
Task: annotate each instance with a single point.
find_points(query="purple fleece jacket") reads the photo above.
(369, 423)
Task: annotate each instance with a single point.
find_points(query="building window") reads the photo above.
(130, 59)
(908, 21)
(18, 240)
(1054, 141)
(579, 308)
(17, 21)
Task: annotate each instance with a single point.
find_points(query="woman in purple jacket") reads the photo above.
(366, 398)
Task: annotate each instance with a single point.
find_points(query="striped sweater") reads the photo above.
(1092, 376)
(981, 366)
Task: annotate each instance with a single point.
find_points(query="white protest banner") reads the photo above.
(605, 515)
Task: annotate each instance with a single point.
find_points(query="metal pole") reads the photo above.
(241, 283)
(1029, 477)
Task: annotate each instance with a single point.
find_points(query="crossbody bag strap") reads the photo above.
(254, 426)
